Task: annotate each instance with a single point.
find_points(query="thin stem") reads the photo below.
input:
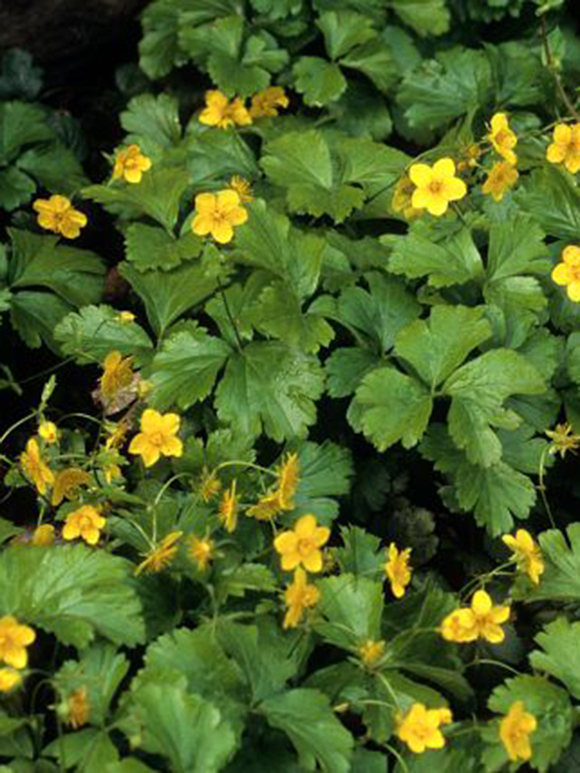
(542, 488)
(230, 316)
(555, 75)
(489, 662)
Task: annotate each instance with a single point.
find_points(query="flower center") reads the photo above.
(575, 273)
(503, 137)
(436, 187)
(305, 546)
(156, 439)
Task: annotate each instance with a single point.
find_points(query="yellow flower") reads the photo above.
(242, 187)
(298, 597)
(228, 509)
(78, 708)
(371, 651)
(117, 375)
(86, 522)
(469, 157)
(117, 434)
(160, 557)
(515, 730)
(48, 432)
(9, 679)
(219, 111)
(267, 102)
(398, 570)
(43, 535)
(567, 273)
(218, 214)
(301, 546)
(266, 508)
(419, 727)
(67, 483)
(481, 620)
(124, 317)
(563, 440)
(402, 198)
(565, 147)
(502, 138)
(500, 178)
(527, 554)
(287, 483)
(112, 472)
(35, 468)
(201, 551)
(157, 437)
(130, 164)
(436, 186)
(210, 485)
(57, 214)
(14, 639)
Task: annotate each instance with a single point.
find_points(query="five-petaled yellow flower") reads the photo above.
(266, 102)
(14, 639)
(436, 186)
(398, 570)
(117, 375)
(157, 437)
(160, 557)
(563, 440)
(301, 546)
(67, 483)
(228, 508)
(527, 554)
(565, 149)
(43, 535)
(201, 550)
(48, 432)
(220, 112)
(35, 468)
(500, 178)
(130, 164)
(371, 651)
(567, 272)
(57, 214)
(481, 620)
(9, 679)
(218, 215)
(419, 727)
(515, 730)
(86, 522)
(502, 138)
(298, 597)
(242, 187)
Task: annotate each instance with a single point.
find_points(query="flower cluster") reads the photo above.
(419, 727)
(14, 639)
(219, 111)
(480, 620)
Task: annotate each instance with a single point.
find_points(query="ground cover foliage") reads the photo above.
(315, 508)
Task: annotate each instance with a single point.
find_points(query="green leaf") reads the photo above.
(21, 124)
(352, 607)
(243, 578)
(55, 167)
(185, 370)
(213, 156)
(73, 592)
(362, 112)
(516, 248)
(519, 73)
(362, 553)
(35, 315)
(448, 261)
(16, 188)
(20, 77)
(561, 579)
(561, 656)
(148, 247)
(375, 60)
(550, 197)
(159, 46)
(152, 122)
(93, 332)
(89, 750)
(437, 346)
(346, 368)
(8, 529)
(426, 17)
(308, 720)
(343, 30)
(389, 406)
(320, 82)
(270, 388)
(478, 391)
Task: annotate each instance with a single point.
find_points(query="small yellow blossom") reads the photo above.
(299, 596)
(228, 509)
(527, 554)
(301, 546)
(9, 679)
(57, 214)
(218, 215)
(403, 197)
(436, 186)
(67, 483)
(242, 187)
(563, 440)
(371, 651)
(566, 147)
(160, 557)
(266, 102)
(287, 483)
(43, 535)
(157, 437)
(419, 727)
(117, 375)
(130, 164)
(481, 620)
(85, 522)
(515, 730)
(567, 272)
(14, 639)
(48, 432)
(209, 486)
(117, 434)
(502, 138)
(220, 112)
(398, 570)
(500, 178)
(111, 472)
(78, 708)
(266, 508)
(469, 157)
(124, 317)
(201, 551)
(35, 469)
